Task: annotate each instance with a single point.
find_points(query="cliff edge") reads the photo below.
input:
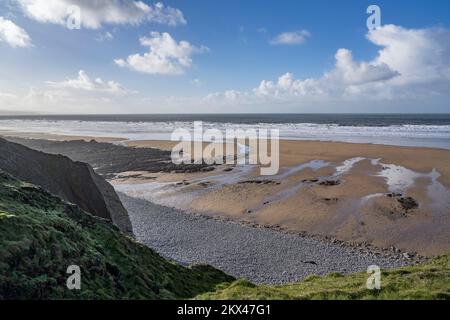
(75, 182)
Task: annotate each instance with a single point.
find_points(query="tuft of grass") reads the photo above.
(41, 235)
(427, 281)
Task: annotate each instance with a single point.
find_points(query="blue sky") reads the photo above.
(231, 52)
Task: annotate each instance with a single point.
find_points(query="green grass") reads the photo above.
(426, 281)
(41, 235)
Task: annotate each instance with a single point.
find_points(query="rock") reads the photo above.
(408, 203)
(108, 159)
(207, 169)
(394, 195)
(330, 183)
(204, 184)
(74, 182)
(310, 262)
(313, 180)
(259, 182)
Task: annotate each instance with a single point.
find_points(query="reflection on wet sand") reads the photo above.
(357, 199)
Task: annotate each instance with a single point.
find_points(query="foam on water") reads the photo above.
(404, 134)
(399, 178)
(347, 165)
(439, 195)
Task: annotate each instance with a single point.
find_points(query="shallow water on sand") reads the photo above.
(180, 194)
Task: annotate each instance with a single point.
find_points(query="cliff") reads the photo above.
(75, 182)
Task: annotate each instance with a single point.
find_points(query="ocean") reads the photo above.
(425, 130)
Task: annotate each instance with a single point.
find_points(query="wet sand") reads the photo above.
(294, 152)
(359, 193)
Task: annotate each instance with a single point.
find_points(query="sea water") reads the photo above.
(425, 130)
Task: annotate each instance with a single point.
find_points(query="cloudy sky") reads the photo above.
(199, 56)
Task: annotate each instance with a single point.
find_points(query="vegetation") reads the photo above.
(41, 235)
(426, 281)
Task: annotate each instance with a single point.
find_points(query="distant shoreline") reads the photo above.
(415, 130)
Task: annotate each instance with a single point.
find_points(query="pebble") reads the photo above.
(261, 255)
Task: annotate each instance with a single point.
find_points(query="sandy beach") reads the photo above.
(383, 195)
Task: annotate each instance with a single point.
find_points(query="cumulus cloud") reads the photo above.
(230, 96)
(13, 35)
(81, 94)
(350, 72)
(291, 38)
(85, 83)
(419, 55)
(412, 63)
(165, 56)
(96, 13)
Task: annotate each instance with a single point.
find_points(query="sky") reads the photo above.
(201, 56)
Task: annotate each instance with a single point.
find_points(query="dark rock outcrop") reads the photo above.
(108, 159)
(75, 182)
(330, 183)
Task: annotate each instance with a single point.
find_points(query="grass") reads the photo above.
(41, 235)
(428, 281)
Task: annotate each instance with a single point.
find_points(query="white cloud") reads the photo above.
(229, 96)
(350, 72)
(419, 55)
(291, 38)
(84, 82)
(106, 36)
(13, 35)
(165, 56)
(96, 13)
(65, 100)
(7, 98)
(411, 64)
(81, 94)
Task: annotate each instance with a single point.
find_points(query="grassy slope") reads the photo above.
(40, 236)
(427, 281)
